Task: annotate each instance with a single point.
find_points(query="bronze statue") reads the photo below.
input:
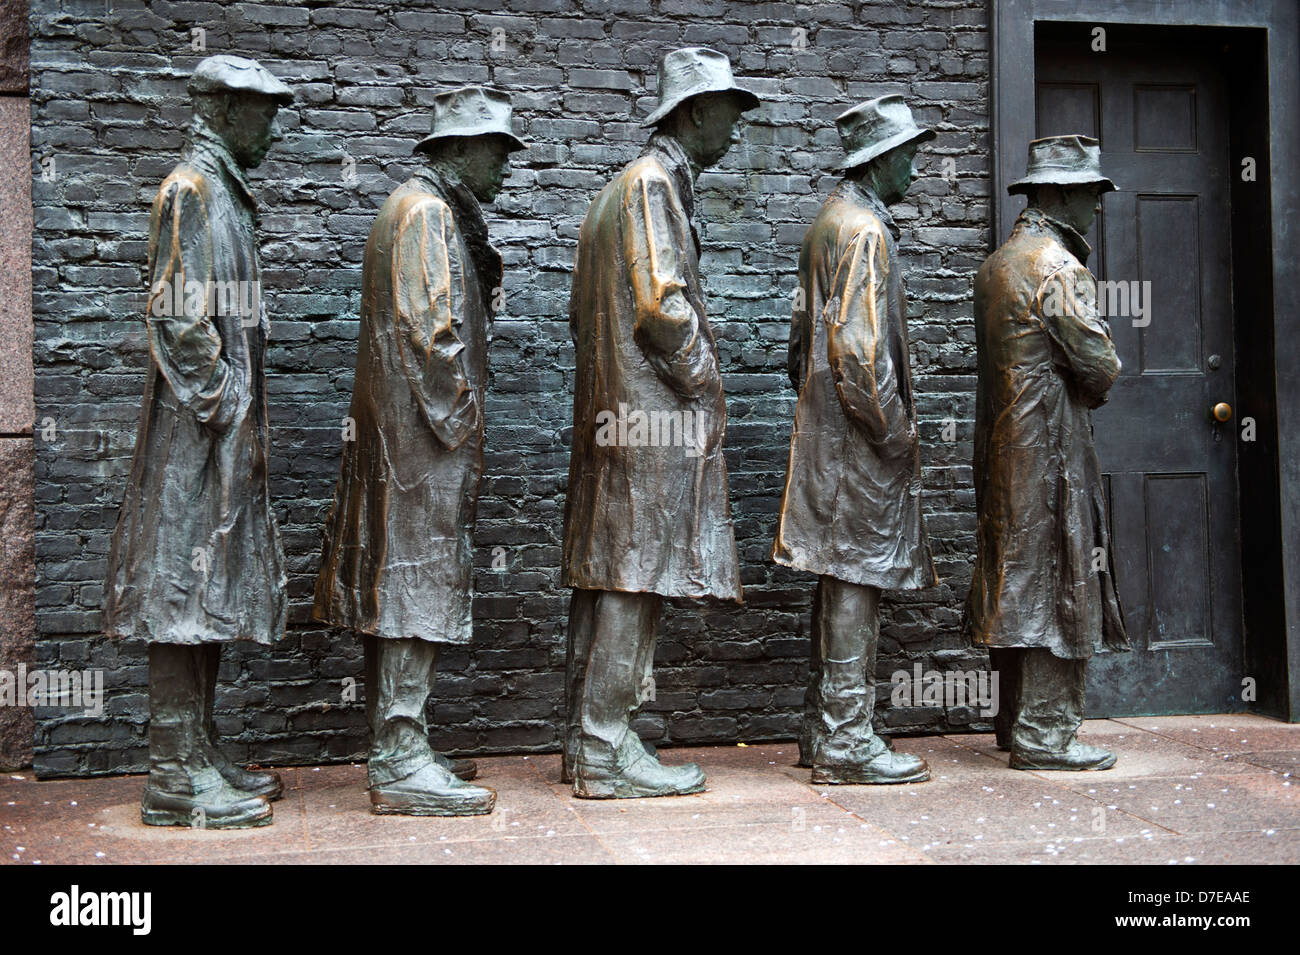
(1043, 597)
(195, 559)
(851, 511)
(398, 561)
(646, 515)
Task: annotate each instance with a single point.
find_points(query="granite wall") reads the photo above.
(17, 612)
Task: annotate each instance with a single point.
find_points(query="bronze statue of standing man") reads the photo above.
(1042, 597)
(851, 512)
(196, 560)
(398, 558)
(647, 515)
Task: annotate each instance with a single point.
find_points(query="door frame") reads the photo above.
(1012, 25)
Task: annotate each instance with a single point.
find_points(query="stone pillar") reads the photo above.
(17, 600)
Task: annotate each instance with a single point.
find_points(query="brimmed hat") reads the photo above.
(873, 128)
(1063, 161)
(471, 111)
(691, 72)
(224, 73)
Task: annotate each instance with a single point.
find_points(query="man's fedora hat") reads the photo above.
(873, 128)
(1063, 161)
(691, 72)
(471, 111)
(224, 73)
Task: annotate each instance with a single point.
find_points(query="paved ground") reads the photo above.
(1204, 789)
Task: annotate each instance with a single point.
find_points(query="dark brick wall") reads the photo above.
(108, 105)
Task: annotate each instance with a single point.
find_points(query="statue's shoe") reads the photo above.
(633, 773)
(566, 770)
(465, 769)
(1077, 756)
(1002, 736)
(431, 790)
(807, 743)
(267, 784)
(220, 807)
(888, 767)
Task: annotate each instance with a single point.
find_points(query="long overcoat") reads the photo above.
(852, 502)
(647, 507)
(196, 555)
(1043, 567)
(397, 559)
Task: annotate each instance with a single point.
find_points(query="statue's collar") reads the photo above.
(1063, 232)
(432, 180)
(452, 191)
(207, 145)
(671, 153)
(867, 196)
(673, 156)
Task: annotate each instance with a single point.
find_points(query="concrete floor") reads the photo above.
(1202, 789)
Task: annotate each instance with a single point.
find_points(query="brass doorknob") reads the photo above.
(1222, 411)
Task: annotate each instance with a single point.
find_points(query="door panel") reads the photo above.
(1160, 114)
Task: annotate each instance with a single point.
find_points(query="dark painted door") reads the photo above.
(1171, 469)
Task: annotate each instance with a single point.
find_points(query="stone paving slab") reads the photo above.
(1186, 790)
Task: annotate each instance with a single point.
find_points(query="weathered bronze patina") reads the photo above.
(196, 559)
(851, 511)
(647, 515)
(1043, 597)
(397, 562)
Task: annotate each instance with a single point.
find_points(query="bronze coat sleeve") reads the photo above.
(183, 337)
(1066, 304)
(426, 315)
(857, 321)
(667, 329)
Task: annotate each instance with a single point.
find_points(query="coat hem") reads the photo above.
(861, 580)
(175, 640)
(1019, 644)
(385, 634)
(737, 597)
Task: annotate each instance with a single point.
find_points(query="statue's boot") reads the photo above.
(870, 762)
(629, 772)
(566, 772)
(431, 791)
(184, 787)
(256, 783)
(845, 747)
(465, 769)
(1049, 712)
(1005, 661)
(810, 728)
(406, 775)
(615, 633)
(1077, 756)
(582, 622)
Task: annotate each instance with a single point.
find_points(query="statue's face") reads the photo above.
(250, 128)
(896, 169)
(484, 165)
(717, 127)
(1081, 205)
